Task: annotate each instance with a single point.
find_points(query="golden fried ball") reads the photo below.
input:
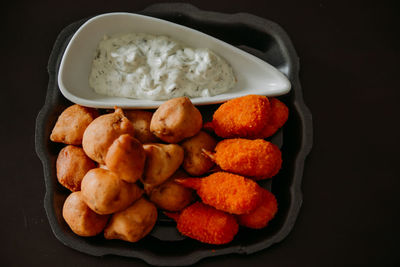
(72, 123)
(72, 165)
(126, 157)
(80, 218)
(161, 162)
(102, 132)
(133, 223)
(141, 123)
(195, 162)
(105, 193)
(175, 120)
(172, 196)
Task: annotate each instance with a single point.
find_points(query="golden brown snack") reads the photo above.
(71, 124)
(141, 123)
(172, 196)
(80, 218)
(195, 162)
(72, 165)
(102, 132)
(175, 120)
(105, 193)
(133, 223)
(161, 162)
(126, 157)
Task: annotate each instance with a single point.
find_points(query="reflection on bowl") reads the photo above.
(254, 76)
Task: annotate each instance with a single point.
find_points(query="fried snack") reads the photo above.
(133, 223)
(71, 124)
(175, 120)
(258, 159)
(195, 162)
(126, 157)
(260, 217)
(105, 193)
(243, 117)
(102, 132)
(80, 218)
(206, 224)
(227, 192)
(161, 162)
(141, 123)
(279, 115)
(72, 165)
(170, 195)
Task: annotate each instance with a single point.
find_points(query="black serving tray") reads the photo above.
(164, 246)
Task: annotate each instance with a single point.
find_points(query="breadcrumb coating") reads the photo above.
(206, 224)
(260, 217)
(241, 117)
(258, 159)
(279, 116)
(226, 192)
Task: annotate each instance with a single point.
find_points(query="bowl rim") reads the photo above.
(283, 85)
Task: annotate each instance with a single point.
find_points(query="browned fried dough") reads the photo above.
(72, 123)
(175, 120)
(80, 218)
(102, 132)
(105, 193)
(133, 223)
(72, 165)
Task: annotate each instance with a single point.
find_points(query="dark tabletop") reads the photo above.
(349, 56)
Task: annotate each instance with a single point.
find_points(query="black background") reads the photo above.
(349, 55)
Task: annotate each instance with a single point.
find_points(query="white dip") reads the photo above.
(157, 67)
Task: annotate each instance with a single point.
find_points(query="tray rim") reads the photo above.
(295, 190)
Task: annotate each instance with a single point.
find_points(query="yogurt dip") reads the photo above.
(144, 66)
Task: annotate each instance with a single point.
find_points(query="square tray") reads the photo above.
(164, 246)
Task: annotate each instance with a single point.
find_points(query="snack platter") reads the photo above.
(164, 245)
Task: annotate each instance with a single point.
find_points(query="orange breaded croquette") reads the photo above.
(206, 224)
(258, 159)
(260, 217)
(226, 192)
(279, 115)
(241, 117)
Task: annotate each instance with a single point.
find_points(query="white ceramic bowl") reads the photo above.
(254, 76)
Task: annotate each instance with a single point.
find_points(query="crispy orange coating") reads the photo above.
(227, 192)
(72, 165)
(72, 123)
(206, 224)
(279, 115)
(260, 217)
(258, 159)
(241, 117)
